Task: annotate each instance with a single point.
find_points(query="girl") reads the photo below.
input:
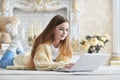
(51, 49)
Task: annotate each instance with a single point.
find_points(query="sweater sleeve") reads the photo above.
(43, 61)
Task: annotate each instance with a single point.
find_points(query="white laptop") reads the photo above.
(88, 62)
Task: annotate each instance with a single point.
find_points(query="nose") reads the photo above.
(64, 31)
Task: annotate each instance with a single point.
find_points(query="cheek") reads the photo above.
(57, 32)
(66, 32)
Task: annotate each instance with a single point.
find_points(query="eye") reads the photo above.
(67, 29)
(61, 29)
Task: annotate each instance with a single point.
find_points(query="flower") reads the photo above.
(93, 44)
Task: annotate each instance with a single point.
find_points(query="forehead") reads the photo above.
(65, 25)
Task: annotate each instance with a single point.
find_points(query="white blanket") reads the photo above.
(103, 70)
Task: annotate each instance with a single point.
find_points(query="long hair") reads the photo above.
(47, 37)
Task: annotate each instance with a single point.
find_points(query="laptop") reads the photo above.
(87, 62)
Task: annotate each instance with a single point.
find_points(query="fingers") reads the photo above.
(68, 66)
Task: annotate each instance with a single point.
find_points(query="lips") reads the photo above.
(62, 36)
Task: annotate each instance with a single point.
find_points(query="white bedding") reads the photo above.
(103, 70)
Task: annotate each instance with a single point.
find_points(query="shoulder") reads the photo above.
(43, 45)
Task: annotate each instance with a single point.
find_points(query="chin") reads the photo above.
(63, 39)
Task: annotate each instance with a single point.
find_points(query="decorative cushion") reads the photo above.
(5, 38)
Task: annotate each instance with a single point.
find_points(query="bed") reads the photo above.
(104, 72)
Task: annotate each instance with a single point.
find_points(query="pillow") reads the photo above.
(4, 38)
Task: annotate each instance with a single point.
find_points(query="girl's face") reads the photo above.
(61, 31)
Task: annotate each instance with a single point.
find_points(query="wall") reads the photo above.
(33, 13)
(93, 16)
(96, 17)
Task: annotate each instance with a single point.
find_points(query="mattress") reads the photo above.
(102, 70)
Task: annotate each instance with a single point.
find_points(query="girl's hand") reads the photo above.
(68, 66)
